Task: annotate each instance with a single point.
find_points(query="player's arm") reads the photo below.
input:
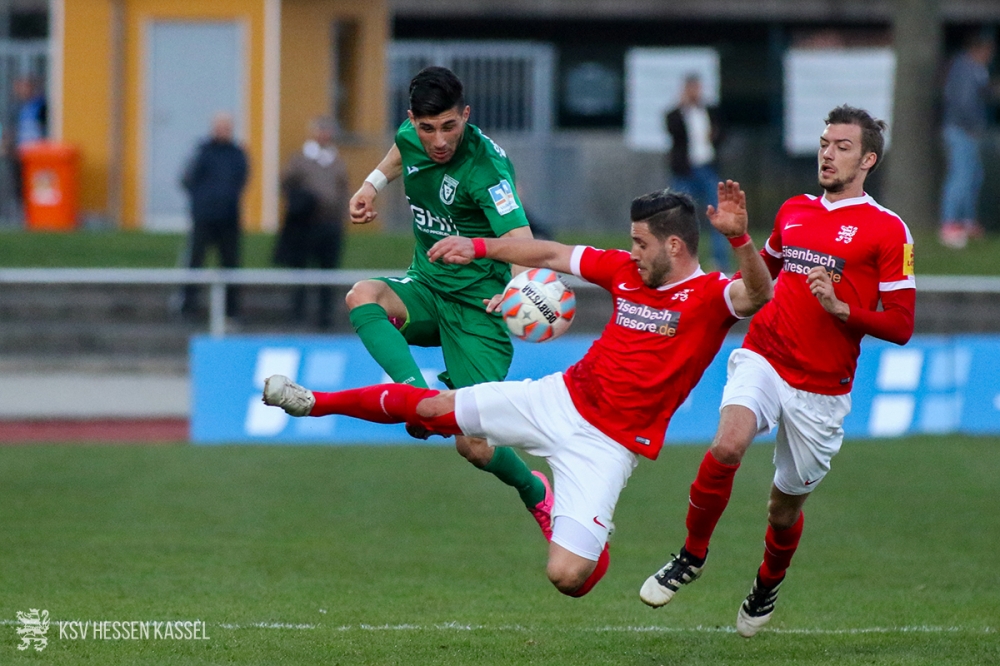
(754, 288)
(362, 206)
(519, 232)
(512, 249)
(894, 323)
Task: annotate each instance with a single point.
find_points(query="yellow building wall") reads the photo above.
(87, 96)
(111, 145)
(138, 13)
(307, 65)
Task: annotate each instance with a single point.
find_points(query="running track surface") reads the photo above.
(110, 431)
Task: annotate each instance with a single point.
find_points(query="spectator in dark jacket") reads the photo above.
(694, 131)
(966, 93)
(317, 195)
(215, 179)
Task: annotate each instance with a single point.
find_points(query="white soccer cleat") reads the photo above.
(661, 587)
(756, 609)
(280, 391)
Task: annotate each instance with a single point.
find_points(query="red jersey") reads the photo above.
(652, 352)
(866, 248)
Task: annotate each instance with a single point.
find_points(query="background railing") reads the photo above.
(217, 279)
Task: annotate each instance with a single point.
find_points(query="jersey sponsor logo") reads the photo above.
(644, 318)
(503, 197)
(801, 260)
(791, 226)
(624, 288)
(449, 186)
(430, 223)
(682, 295)
(410, 170)
(907, 258)
(600, 523)
(846, 234)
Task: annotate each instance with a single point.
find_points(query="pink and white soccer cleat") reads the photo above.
(543, 510)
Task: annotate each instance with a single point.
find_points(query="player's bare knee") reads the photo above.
(781, 517)
(568, 578)
(726, 450)
(361, 293)
(474, 449)
(435, 406)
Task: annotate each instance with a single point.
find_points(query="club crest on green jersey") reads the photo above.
(449, 186)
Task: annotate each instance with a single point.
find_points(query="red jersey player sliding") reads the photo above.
(835, 257)
(593, 421)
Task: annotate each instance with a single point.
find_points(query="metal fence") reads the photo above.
(218, 279)
(507, 84)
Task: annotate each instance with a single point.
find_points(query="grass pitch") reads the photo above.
(373, 555)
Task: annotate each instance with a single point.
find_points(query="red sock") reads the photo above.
(709, 496)
(779, 546)
(596, 575)
(384, 403)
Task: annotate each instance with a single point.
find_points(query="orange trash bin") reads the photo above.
(50, 182)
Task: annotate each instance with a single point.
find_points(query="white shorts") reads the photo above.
(589, 468)
(810, 425)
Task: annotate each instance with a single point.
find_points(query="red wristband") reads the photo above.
(478, 248)
(739, 241)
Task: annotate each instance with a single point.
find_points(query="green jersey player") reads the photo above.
(458, 183)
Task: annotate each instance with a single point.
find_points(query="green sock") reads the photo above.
(386, 344)
(509, 468)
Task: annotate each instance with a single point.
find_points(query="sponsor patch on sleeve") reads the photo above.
(907, 258)
(503, 197)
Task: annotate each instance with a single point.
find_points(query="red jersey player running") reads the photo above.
(593, 421)
(835, 257)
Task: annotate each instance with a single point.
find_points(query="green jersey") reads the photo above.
(472, 195)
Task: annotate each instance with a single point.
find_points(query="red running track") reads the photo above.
(108, 431)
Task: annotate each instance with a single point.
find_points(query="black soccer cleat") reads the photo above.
(756, 609)
(661, 587)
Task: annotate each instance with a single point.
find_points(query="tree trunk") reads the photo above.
(912, 184)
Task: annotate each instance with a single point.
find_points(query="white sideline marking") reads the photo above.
(459, 626)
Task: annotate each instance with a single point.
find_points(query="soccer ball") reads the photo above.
(537, 305)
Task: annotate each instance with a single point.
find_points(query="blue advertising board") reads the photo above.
(935, 384)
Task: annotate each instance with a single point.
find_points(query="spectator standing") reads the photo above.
(315, 185)
(694, 131)
(29, 123)
(214, 179)
(966, 93)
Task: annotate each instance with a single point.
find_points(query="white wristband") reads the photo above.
(378, 180)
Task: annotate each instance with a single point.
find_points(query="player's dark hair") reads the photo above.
(435, 90)
(872, 129)
(668, 213)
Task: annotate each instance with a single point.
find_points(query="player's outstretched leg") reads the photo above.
(382, 403)
(708, 499)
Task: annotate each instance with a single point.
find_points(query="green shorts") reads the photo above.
(475, 344)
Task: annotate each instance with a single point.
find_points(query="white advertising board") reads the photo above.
(817, 80)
